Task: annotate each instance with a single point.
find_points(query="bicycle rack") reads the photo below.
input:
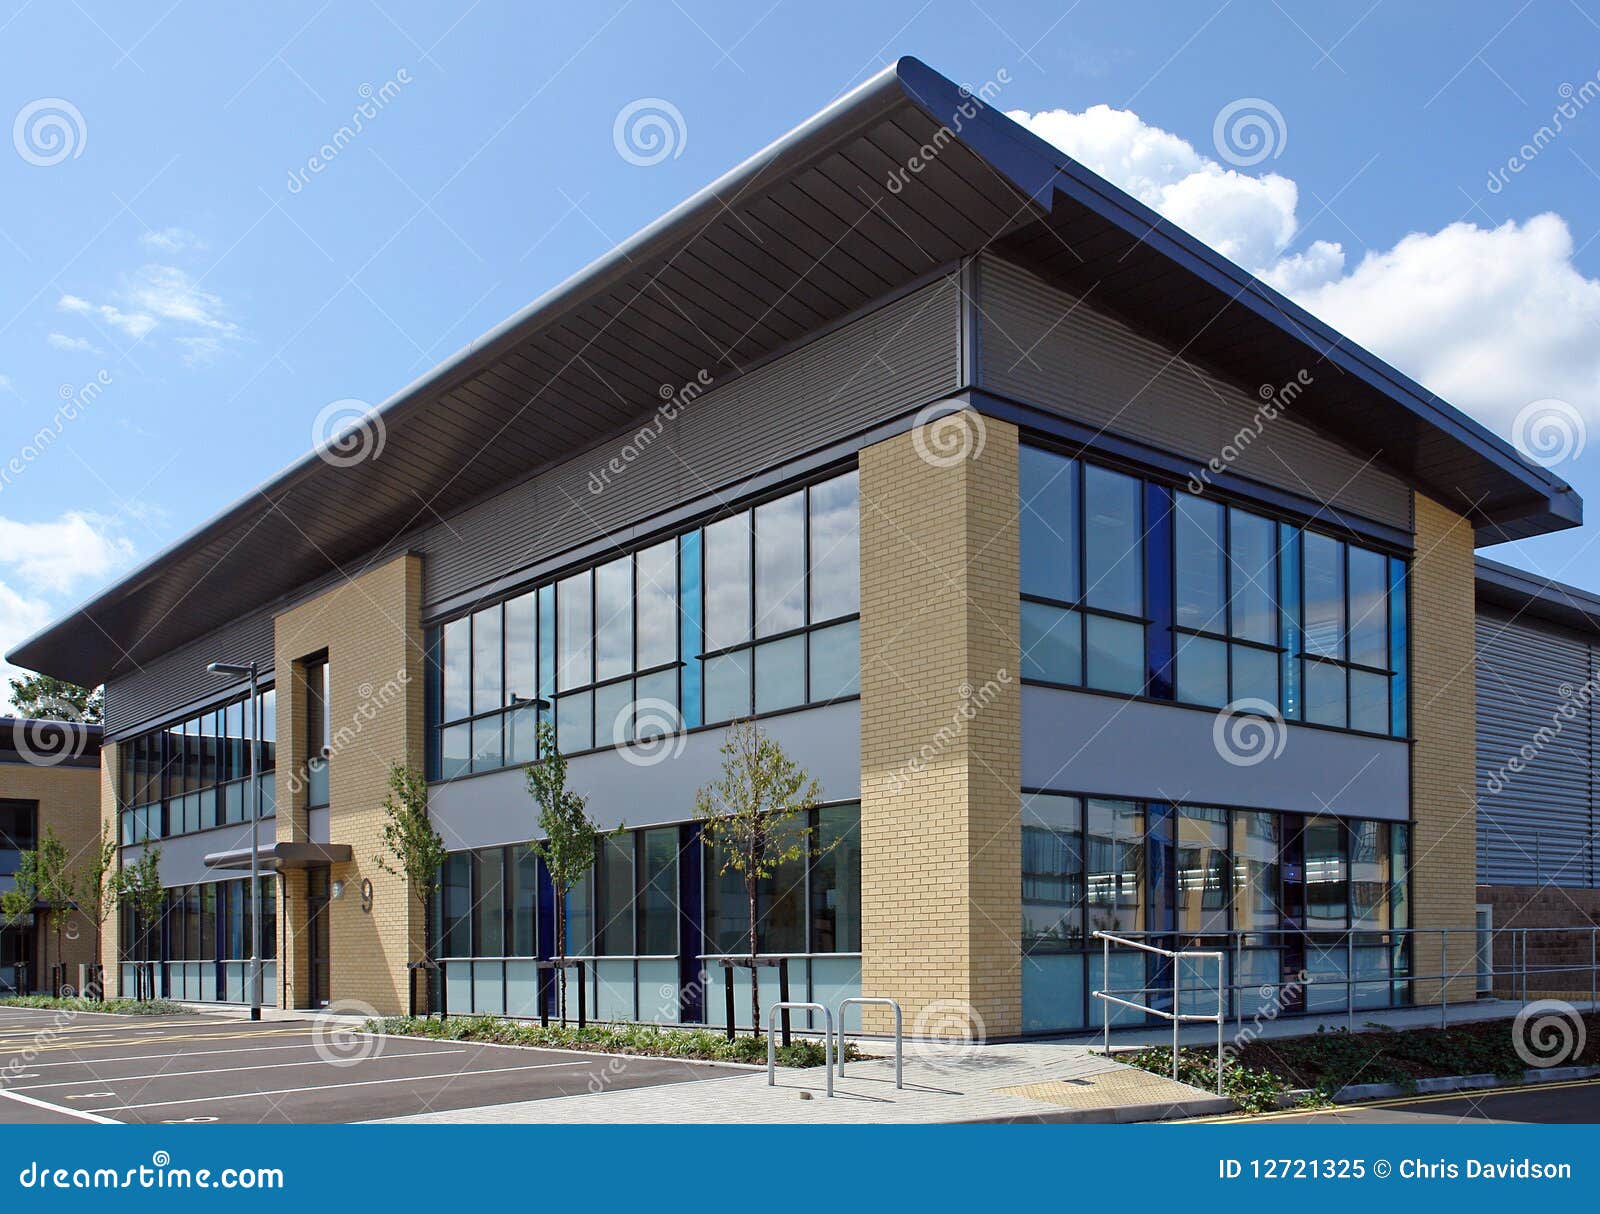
(899, 1039)
(827, 1040)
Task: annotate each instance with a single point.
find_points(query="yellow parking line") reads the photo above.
(1397, 1101)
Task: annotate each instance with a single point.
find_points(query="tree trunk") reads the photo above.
(61, 951)
(427, 957)
(755, 980)
(561, 955)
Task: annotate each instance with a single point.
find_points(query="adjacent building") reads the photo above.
(49, 782)
(1100, 587)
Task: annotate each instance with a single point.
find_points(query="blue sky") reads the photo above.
(182, 256)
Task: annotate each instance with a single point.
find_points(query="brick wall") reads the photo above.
(940, 727)
(1443, 762)
(69, 805)
(1567, 955)
(370, 629)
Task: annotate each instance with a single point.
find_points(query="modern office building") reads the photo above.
(1099, 586)
(1538, 805)
(49, 782)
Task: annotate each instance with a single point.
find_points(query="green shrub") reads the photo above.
(1253, 1090)
(120, 1007)
(641, 1039)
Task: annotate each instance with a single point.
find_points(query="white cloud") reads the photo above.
(163, 295)
(56, 555)
(72, 345)
(170, 240)
(1489, 318)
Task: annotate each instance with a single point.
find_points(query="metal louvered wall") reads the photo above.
(1535, 684)
(871, 370)
(1047, 347)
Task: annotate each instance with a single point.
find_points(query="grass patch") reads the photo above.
(118, 1007)
(645, 1040)
(1258, 1073)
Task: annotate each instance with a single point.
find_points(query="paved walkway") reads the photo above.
(1007, 1083)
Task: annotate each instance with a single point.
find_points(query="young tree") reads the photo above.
(414, 850)
(46, 699)
(753, 817)
(44, 880)
(139, 889)
(570, 837)
(95, 889)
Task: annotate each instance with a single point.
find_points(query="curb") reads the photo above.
(1113, 1115)
(1446, 1083)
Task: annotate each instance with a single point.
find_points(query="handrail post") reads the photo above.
(1222, 961)
(1105, 981)
(1176, 973)
(1593, 992)
(1350, 979)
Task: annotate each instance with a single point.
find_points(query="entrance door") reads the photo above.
(317, 935)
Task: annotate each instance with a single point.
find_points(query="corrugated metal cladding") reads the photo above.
(1044, 346)
(1536, 825)
(871, 370)
(180, 677)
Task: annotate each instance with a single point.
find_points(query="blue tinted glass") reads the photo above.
(728, 686)
(1289, 616)
(690, 645)
(1255, 675)
(1324, 595)
(1252, 541)
(1114, 655)
(1369, 617)
(780, 674)
(1369, 701)
(1048, 500)
(575, 722)
(1052, 644)
(547, 642)
(1397, 647)
(1201, 564)
(1113, 549)
(455, 663)
(1325, 694)
(836, 661)
(1202, 671)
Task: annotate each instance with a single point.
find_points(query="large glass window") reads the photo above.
(1052, 873)
(1294, 620)
(754, 613)
(1114, 846)
(1082, 537)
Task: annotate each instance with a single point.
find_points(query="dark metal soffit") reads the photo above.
(1529, 594)
(802, 234)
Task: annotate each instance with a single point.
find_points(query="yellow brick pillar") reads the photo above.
(1443, 757)
(109, 818)
(940, 717)
(369, 627)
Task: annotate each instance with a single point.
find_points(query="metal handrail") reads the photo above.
(1177, 1016)
(827, 1040)
(1521, 945)
(899, 1040)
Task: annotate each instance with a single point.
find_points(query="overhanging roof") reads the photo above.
(276, 856)
(796, 238)
(1528, 594)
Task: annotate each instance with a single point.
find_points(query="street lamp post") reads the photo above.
(253, 726)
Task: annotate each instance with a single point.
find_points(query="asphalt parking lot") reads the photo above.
(56, 1069)
(1565, 1103)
